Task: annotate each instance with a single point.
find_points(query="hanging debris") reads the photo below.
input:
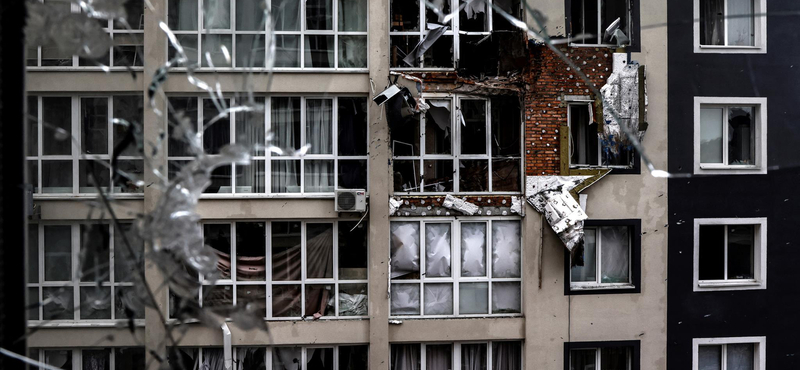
(550, 196)
(460, 205)
(624, 104)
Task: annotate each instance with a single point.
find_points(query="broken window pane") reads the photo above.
(353, 357)
(438, 175)
(319, 51)
(352, 126)
(352, 15)
(401, 46)
(128, 49)
(473, 249)
(437, 16)
(220, 180)
(473, 130)
(506, 297)
(58, 303)
(60, 358)
(405, 299)
(615, 252)
(352, 250)
(131, 109)
(319, 359)
(319, 176)
(512, 7)
(319, 253)
(506, 175)
(215, 47)
(506, 127)
(740, 356)
(217, 134)
(57, 253)
(439, 356)
(474, 16)
(320, 300)
(709, 357)
(33, 254)
(32, 302)
(587, 272)
(251, 358)
(32, 127)
(505, 249)
(285, 123)
(712, 252)
(473, 298)
(94, 125)
(124, 262)
(129, 358)
(473, 356)
(406, 175)
(405, 16)
(437, 250)
(189, 44)
(57, 121)
(218, 298)
(473, 175)
(610, 11)
(440, 54)
(57, 176)
(94, 252)
(741, 136)
(182, 15)
(741, 240)
(218, 237)
(352, 51)
(405, 250)
(186, 108)
(250, 51)
(251, 239)
(353, 299)
(286, 250)
(33, 175)
(712, 22)
(439, 299)
(319, 14)
(741, 23)
(287, 50)
(285, 176)
(286, 358)
(95, 302)
(352, 174)
(584, 142)
(92, 173)
(253, 298)
(406, 138)
(584, 20)
(438, 127)
(127, 303)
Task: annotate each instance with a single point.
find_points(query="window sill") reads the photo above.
(711, 285)
(461, 316)
(62, 196)
(617, 288)
(273, 70)
(725, 49)
(82, 324)
(729, 170)
(610, 46)
(82, 69)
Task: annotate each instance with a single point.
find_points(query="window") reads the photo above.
(585, 146)
(611, 261)
(730, 135)
(83, 272)
(335, 128)
(287, 269)
(746, 353)
(340, 357)
(412, 21)
(468, 355)
(128, 43)
(730, 253)
(616, 355)
(322, 34)
(447, 268)
(481, 152)
(121, 358)
(72, 137)
(594, 17)
(730, 26)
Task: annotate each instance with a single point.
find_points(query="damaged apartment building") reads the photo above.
(460, 186)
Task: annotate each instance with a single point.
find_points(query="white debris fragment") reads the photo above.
(395, 322)
(621, 98)
(394, 204)
(550, 196)
(516, 206)
(460, 205)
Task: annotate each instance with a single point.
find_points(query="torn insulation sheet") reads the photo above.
(394, 204)
(550, 196)
(460, 205)
(516, 206)
(621, 107)
(434, 32)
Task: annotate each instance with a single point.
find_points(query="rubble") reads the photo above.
(459, 205)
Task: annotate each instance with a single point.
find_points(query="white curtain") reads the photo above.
(319, 128)
(614, 249)
(439, 299)
(186, 13)
(437, 250)
(285, 115)
(473, 357)
(286, 358)
(505, 249)
(712, 22)
(95, 360)
(405, 299)
(216, 14)
(213, 359)
(473, 249)
(587, 272)
(249, 358)
(352, 15)
(439, 357)
(506, 356)
(405, 357)
(249, 15)
(404, 248)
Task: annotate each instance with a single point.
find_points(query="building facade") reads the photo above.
(728, 222)
(450, 267)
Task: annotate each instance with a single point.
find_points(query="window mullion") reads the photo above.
(725, 143)
(488, 138)
(599, 22)
(76, 142)
(725, 22)
(725, 254)
(598, 254)
(75, 279)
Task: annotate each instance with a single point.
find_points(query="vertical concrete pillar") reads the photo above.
(380, 188)
(532, 242)
(155, 55)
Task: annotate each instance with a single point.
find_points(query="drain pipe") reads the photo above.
(226, 343)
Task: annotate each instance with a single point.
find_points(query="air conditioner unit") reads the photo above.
(351, 200)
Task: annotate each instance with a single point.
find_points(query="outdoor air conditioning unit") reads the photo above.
(351, 200)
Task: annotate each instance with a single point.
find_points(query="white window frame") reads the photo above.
(759, 256)
(304, 356)
(598, 284)
(760, 129)
(760, 349)
(302, 32)
(75, 283)
(454, 31)
(598, 356)
(269, 283)
(455, 277)
(267, 157)
(586, 102)
(759, 26)
(601, 28)
(77, 355)
(455, 148)
(456, 352)
(76, 155)
(112, 31)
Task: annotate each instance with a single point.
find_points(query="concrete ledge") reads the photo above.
(83, 82)
(72, 337)
(452, 330)
(282, 333)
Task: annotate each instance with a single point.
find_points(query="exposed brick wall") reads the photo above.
(545, 111)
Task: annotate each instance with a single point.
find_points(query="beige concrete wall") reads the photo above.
(97, 336)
